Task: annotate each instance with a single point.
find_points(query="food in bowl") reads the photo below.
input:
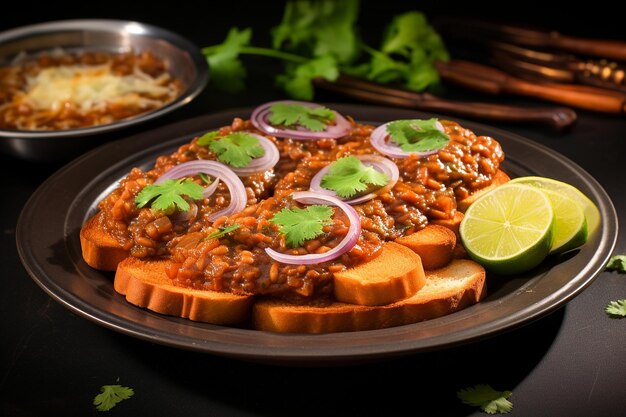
(300, 220)
(60, 90)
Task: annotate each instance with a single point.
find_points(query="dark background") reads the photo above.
(570, 363)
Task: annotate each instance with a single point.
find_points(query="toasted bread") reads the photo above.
(434, 244)
(145, 284)
(449, 289)
(498, 179)
(396, 273)
(453, 224)
(100, 249)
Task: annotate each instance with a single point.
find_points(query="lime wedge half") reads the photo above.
(570, 224)
(592, 214)
(509, 229)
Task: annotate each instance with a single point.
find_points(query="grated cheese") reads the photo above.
(91, 87)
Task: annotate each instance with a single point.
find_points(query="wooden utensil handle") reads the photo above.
(490, 80)
(557, 118)
(600, 48)
(588, 98)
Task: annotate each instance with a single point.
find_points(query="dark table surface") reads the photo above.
(571, 362)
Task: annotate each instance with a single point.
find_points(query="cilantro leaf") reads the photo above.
(208, 137)
(110, 395)
(417, 135)
(616, 309)
(223, 232)
(167, 195)
(488, 399)
(235, 149)
(299, 225)
(314, 119)
(319, 28)
(227, 71)
(348, 176)
(617, 263)
(407, 54)
(298, 78)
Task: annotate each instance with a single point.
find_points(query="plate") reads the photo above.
(49, 247)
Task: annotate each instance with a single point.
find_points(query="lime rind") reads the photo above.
(570, 229)
(509, 230)
(592, 214)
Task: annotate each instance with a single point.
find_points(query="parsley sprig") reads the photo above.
(487, 398)
(348, 176)
(110, 396)
(320, 39)
(315, 119)
(167, 196)
(299, 225)
(417, 135)
(235, 149)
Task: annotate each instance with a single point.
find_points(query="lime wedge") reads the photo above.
(509, 229)
(591, 211)
(570, 224)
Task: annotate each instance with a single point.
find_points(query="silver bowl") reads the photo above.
(184, 59)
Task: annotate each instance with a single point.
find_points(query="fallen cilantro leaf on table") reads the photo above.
(616, 309)
(110, 396)
(167, 195)
(236, 149)
(348, 176)
(417, 135)
(617, 263)
(488, 399)
(314, 119)
(223, 232)
(299, 225)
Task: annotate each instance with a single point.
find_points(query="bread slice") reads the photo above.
(453, 224)
(498, 179)
(100, 250)
(396, 273)
(452, 288)
(434, 244)
(145, 284)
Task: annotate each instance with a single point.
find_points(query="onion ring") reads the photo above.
(348, 242)
(380, 163)
(260, 120)
(238, 195)
(378, 141)
(263, 163)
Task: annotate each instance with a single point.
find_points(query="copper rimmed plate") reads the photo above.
(48, 244)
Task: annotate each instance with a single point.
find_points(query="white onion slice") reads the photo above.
(263, 163)
(238, 195)
(379, 163)
(379, 141)
(347, 243)
(260, 119)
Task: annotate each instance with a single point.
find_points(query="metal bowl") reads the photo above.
(185, 62)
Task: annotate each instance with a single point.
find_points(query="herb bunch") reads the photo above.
(319, 39)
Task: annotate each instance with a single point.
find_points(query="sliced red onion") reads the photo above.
(260, 119)
(348, 242)
(238, 195)
(379, 163)
(263, 163)
(379, 141)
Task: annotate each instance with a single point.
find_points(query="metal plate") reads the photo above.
(48, 244)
